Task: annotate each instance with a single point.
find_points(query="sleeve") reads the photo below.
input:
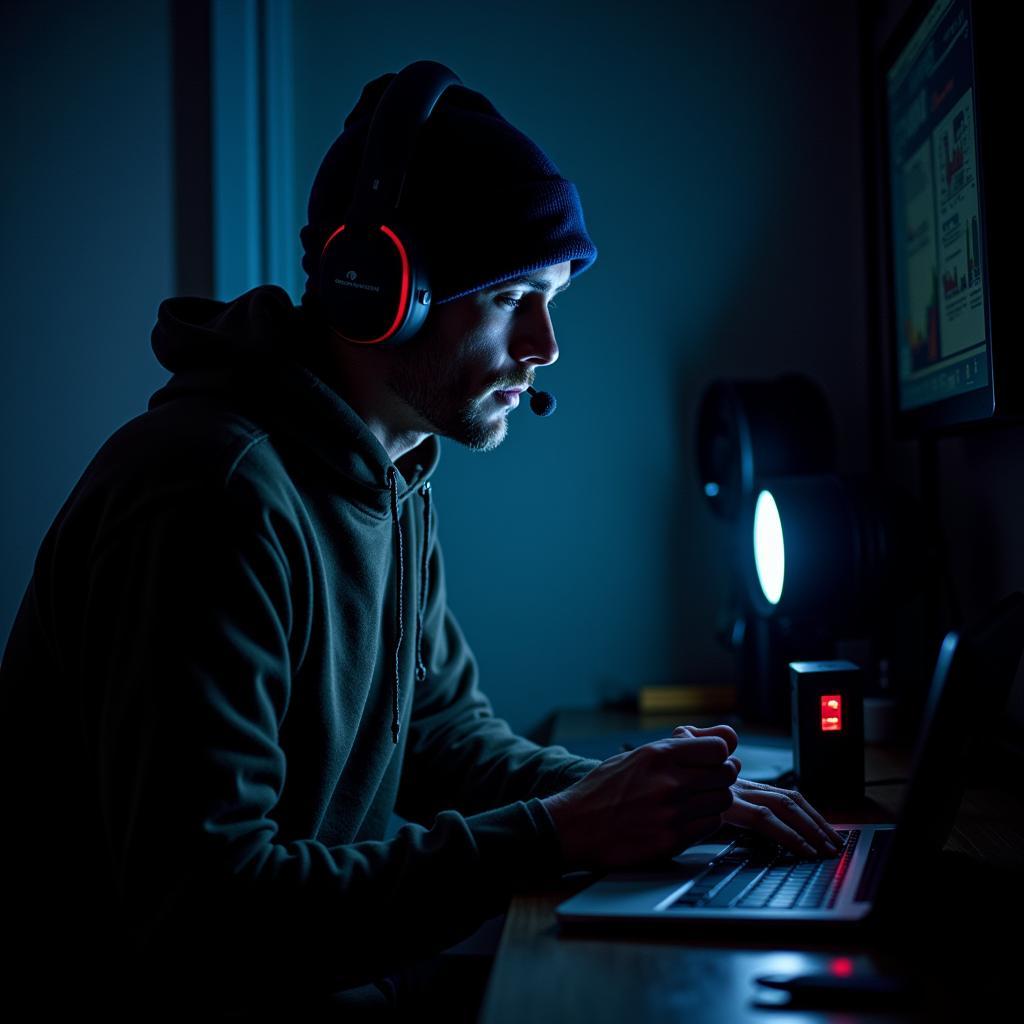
(195, 618)
(459, 754)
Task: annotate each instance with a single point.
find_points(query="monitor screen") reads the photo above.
(939, 287)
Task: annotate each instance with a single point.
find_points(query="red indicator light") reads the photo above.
(831, 712)
(841, 967)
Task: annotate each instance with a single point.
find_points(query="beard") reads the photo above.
(446, 396)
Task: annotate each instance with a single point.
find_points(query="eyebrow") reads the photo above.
(538, 284)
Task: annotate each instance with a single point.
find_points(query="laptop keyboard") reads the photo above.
(754, 875)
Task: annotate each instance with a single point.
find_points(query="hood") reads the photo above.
(258, 353)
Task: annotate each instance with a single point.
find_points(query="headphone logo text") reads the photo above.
(351, 282)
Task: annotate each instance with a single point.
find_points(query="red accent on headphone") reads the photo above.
(404, 300)
(331, 239)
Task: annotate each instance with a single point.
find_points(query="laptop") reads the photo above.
(881, 866)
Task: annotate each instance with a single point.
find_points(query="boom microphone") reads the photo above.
(542, 402)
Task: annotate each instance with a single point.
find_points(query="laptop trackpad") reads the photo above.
(700, 853)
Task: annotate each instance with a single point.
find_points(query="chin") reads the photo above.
(481, 437)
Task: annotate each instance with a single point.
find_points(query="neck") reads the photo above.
(354, 373)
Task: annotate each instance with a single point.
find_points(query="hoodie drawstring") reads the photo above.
(421, 671)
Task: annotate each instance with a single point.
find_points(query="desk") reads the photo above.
(542, 975)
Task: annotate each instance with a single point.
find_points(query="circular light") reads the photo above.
(769, 550)
(711, 489)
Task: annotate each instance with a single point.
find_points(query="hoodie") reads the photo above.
(234, 660)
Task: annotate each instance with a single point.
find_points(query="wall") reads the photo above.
(86, 248)
(716, 148)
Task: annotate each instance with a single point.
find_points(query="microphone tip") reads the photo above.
(542, 402)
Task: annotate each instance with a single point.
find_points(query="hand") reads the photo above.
(647, 804)
(781, 814)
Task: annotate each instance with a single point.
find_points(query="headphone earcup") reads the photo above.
(373, 283)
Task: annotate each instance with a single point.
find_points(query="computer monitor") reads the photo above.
(951, 360)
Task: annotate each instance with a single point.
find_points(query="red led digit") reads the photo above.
(831, 712)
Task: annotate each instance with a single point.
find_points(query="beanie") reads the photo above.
(484, 201)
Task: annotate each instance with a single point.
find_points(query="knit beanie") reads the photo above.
(485, 203)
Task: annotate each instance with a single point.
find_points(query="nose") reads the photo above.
(534, 339)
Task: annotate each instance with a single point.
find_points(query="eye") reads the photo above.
(512, 302)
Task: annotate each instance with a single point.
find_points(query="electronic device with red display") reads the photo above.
(827, 703)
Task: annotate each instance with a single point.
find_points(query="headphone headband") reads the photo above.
(407, 103)
(374, 286)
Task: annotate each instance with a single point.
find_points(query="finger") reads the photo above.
(696, 750)
(822, 825)
(701, 805)
(817, 816)
(804, 805)
(726, 732)
(784, 807)
(704, 777)
(684, 730)
(760, 818)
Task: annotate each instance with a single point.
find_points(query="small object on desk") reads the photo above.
(827, 701)
(856, 989)
(671, 700)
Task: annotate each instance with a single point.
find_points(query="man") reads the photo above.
(235, 658)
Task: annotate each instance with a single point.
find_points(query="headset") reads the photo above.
(374, 285)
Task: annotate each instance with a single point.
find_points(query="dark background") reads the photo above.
(723, 158)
